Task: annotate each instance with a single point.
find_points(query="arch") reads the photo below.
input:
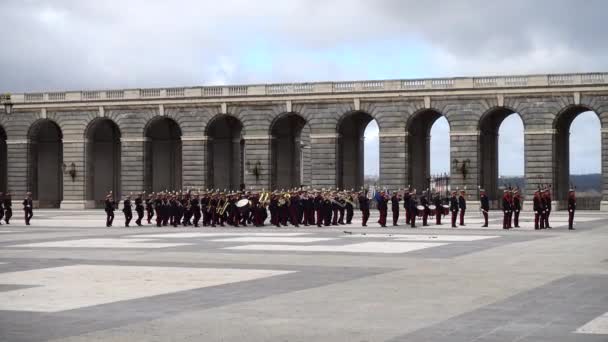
(561, 158)
(3, 161)
(102, 159)
(287, 151)
(419, 139)
(489, 126)
(224, 152)
(163, 155)
(351, 129)
(45, 162)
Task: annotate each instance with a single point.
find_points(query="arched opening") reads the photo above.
(287, 151)
(578, 157)
(45, 176)
(501, 148)
(420, 145)
(371, 154)
(225, 153)
(163, 156)
(351, 150)
(102, 160)
(3, 161)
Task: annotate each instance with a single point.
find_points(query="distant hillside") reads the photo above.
(583, 183)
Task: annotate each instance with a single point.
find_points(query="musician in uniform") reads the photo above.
(8, 207)
(204, 202)
(350, 210)
(364, 208)
(341, 208)
(516, 208)
(212, 209)
(506, 209)
(149, 207)
(438, 208)
(426, 211)
(274, 208)
(139, 209)
(294, 207)
(454, 208)
(406, 206)
(318, 206)
(484, 206)
(382, 208)
(335, 206)
(196, 209)
(462, 205)
(413, 209)
(395, 207)
(110, 205)
(547, 196)
(538, 209)
(127, 210)
(571, 208)
(327, 210)
(28, 207)
(543, 204)
(1, 206)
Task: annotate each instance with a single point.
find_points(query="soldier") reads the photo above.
(506, 209)
(149, 207)
(110, 205)
(335, 207)
(462, 205)
(547, 196)
(318, 206)
(204, 202)
(516, 208)
(395, 207)
(28, 207)
(426, 211)
(406, 206)
(196, 209)
(158, 206)
(538, 209)
(438, 208)
(364, 208)
(327, 210)
(350, 210)
(454, 208)
(571, 208)
(382, 208)
(484, 206)
(8, 207)
(543, 205)
(341, 208)
(212, 209)
(294, 205)
(413, 209)
(309, 210)
(127, 210)
(139, 209)
(273, 206)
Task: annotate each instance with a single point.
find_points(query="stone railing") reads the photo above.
(486, 82)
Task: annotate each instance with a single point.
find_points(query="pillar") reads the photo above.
(74, 188)
(539, 144)
(604, 203)
(17, 169)
(194, 162)
(463, 149)
(323, 154)
(257, 173)
(393, 159)
(132, 164)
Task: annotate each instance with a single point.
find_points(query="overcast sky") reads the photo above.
(81, 44)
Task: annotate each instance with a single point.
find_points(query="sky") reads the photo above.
(76, 44)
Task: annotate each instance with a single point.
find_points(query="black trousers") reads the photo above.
(28, 215)
(8, 213)
(140, 215)
(128, 217)
(109, 217)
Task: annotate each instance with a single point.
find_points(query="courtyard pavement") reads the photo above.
(69, 278)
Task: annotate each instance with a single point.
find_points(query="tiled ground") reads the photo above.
(67, 277)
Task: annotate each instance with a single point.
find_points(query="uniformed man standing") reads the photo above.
(139, 209)
(485, 206)
(438, 208)
(109, 209)
(8, 207)
(571, 208)
(426, 211)
(364, 207)
(1, 207)
(462, 205)
(547, 195)
(382, 208)
(506, 209)
(538, 209)
(127, 210)
(406, 206)
(413, 209)
(516, 208)
(149, 207)
(395, 207)
(454, 208)
(349, 208)
(28, 207)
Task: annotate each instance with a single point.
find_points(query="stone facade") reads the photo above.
(290, 134)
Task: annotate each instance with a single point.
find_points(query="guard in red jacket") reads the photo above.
(382, 208)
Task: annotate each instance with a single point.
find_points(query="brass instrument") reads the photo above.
(220, 205)
(223, 208)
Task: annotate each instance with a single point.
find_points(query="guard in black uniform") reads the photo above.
(28, 208)
(127, 210)
(395, 207)
(195, 208)
(109, 208)
(364, 207)
(139, 209)
(150, 207)
(8, 208)
(571, 208)
(1, 207)
(438, 208)
(485, 206)
(462, 205)
(454, 208)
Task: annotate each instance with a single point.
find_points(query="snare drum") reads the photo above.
(433, 209)
(446, 209)
(420, 210)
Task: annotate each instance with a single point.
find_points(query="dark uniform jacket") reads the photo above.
(453, 204)
(485, 203)
(462, 203)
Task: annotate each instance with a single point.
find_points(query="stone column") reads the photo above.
(132, 165)
(194, 162)
(257, 162)
(539, 160)
(463, 151)
(392, 159)
(74, 187)
(604, 203)
(17, 168)
(324, 157)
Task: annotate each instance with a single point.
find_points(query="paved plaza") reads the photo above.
(68, 278)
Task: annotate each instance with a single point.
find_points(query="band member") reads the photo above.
(406, 206)
(318, 206)
(571, 208)
(543, 204)
(294, 204)
(212, 209)
(413, 209)
(382, 208)
(149, 208)
(538, 209)
(327, 210)
(438, 208)
(204, 202)
(547, 196)
(158, 206)
(196, 209)
(110, 205)
(335, 206)
(426, 211)
(485, 206)
(8, 207)
(364, 207)
(139, 209)
(127, 210)
(349, 208)
(28, 207)
(1, 207)
(395, 207)
(341, 204)
(516, 208)
(454, 208)
(506, 209)
(462, 205)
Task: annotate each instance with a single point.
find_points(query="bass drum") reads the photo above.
(433, 209)
(242, 204)
(446, 209)
(420, 209)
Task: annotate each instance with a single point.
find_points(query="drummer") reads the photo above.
(424, 207)
(413, 208)
(438, 208)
